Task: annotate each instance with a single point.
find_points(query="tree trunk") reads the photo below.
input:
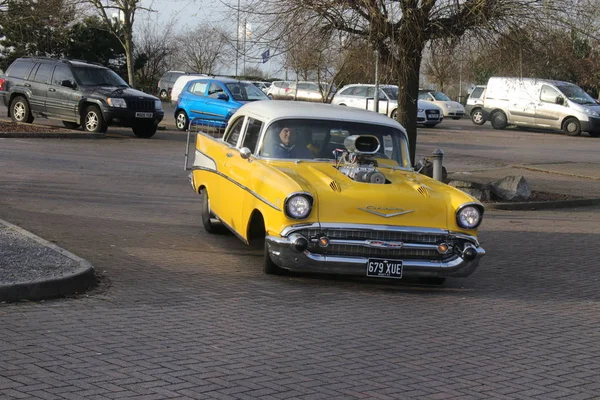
(410, 54)
(129, 56)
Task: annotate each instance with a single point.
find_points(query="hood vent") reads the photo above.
(335, 186)
(423, 191)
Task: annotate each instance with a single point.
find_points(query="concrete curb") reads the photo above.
(80, 279)
(542, 205)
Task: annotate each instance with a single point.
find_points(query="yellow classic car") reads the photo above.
(325, 188)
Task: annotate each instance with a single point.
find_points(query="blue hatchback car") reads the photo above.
(213, 101)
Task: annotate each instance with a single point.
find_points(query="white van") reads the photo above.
(541, 103)
(180, 83)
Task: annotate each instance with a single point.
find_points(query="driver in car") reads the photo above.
(287, 146)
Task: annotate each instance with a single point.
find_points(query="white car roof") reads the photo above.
(269, 110)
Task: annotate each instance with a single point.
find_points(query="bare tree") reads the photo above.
(122, 27)
(156, 44)
(204, 49)
(400, 29)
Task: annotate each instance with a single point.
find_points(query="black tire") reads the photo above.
(181, 120)
(269, 267)
(164, 95)
(71, 125)
(270, 96)
(498, 120)
(456, 118)
(20, 110)
(207, 216)
(477, 116)
(572, 126)
(145, 130)
(594, 134)
(93, 121)
(394, 115)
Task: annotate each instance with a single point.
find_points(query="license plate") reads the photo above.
(380, 268)
(143, 115)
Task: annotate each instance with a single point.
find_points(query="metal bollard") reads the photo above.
(438, 158)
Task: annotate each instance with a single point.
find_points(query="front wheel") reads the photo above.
(477, 117)
(20, 111)
(93, 121)
(498, 120)
(145, 130)
(394, 115)
(594, 134)
(181, 120)
(572, 126)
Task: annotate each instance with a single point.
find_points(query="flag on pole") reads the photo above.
(265, 56)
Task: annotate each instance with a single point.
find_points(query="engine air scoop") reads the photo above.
(362, 144)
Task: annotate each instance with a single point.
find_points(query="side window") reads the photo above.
(549, 94)
(214, 90)
(476, 93)
(44, 73)
(424, 96)
(346, 92)
(252, 134)
(359, 91)
(19, 69)
(303, 86)
(234, 132)
(198, 88)
(61, 73)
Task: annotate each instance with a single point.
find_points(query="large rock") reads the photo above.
(478, 190)
(511, 188)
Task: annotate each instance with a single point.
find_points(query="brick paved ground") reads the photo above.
(185, 315)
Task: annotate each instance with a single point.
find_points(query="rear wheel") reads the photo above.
(394, 115)
(163, 95)
(93, 121)
(594, 134)
(71, 125)
(572, 126)
(498, 120)
(181, 120)
(145, 130)
(207, 215)
(20, 111)
(477, 117)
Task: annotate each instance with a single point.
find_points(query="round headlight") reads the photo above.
(298, 206)
(469, 217)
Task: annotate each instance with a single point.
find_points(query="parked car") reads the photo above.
(213, 100)
(278, 90)
(180, 83)
(325, 188)
(166, 82)
(362, 96)
(541, 103)
(264, 86)
(78, 94)
(452, 109)
(474, 106)
(309, 91)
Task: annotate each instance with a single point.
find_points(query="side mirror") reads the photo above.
(560, 100)
(245, 153)
(222, 96)
(68, 83)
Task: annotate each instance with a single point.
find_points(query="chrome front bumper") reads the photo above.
(283, 252)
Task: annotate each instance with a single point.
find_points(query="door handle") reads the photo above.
(52, 90)
(229, 155)
(27, 85)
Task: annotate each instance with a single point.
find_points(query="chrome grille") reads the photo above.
(140, 105)
(366, 251)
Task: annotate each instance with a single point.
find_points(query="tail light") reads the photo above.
(2, 82)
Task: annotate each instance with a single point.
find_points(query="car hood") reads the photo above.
(114, 91)
(406, 201)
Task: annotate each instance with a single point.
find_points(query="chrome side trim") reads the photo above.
(239, 185)
(206, 113)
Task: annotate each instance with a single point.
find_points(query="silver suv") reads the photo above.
(474, 106)
(278, 90)
(362, 96)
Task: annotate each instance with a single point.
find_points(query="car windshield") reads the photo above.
(314, 139)
(439, 96)
(392, 92)
(242, 91)
(576, 94)
(89, 76)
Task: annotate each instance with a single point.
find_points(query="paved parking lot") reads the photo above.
(182, 314)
